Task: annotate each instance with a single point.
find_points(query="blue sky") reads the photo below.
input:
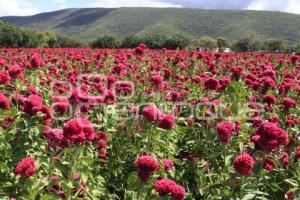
(29, 7)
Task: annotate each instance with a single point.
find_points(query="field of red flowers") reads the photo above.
(148, 124)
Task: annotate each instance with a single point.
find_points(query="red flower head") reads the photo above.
(15, 71)
(26, 167)
(289, 103)
(164, 186)
(224, 130)
(152, 113)
(156, 79)
(4, 102)
(168, 187)
(79, 130)
(61, 104)
(167, 122)
(269, 99)
(268, 164)
(243, 164)
(55, 139)
(146, 165)
(33, 104)
(168, 164)
(4, 77)
(270, 136)
(211, 84)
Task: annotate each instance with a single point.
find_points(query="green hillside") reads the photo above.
(88, 23)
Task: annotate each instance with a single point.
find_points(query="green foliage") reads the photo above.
(65, 42)
(177, 41)
(247, 44)
(12, 36)
(297, 50)
(222, 43)
(274, 45)
(106, 42)
(206, 42)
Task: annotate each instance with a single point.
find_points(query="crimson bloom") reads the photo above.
(26, 167)
(243, 164)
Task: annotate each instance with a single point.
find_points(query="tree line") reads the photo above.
(12, 36)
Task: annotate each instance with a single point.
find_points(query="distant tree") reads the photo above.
(131, 41)
(207, 42)
(10, 36)
(68, 42)
(222, 43)
(153, 41)
(274, 45)
(106, 42)
(31, 39)
(51, 39)
(246, 44)
(176, 41)
(297, 49)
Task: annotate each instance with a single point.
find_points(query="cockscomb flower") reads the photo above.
(4, 102)
(79, 130)
(270, 136)
(152, 113)
(168, 187)
(26, 167)
(225, 129)
(243, 164)
(145, 165)
(167, 122)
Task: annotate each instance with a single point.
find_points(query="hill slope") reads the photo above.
(88, 23)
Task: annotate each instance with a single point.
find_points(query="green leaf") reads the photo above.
(248, 197)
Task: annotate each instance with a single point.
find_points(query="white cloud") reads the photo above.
(291, 6)
(16, 8)
(130, 3)
(61, 3)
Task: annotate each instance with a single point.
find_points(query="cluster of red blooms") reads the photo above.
(153, 114)
(168, 187)
(102, 144)
(146, 165)
(269, 136)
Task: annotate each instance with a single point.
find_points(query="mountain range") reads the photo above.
(89, 23)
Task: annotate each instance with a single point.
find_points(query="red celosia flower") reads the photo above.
(79, 130)
(146, 165)
(26, 167)
(224, 130)
(269, 99)
(168, 164)
(156, 79)
(297, 152)
(32, 105)
(167, 122)
(55, 139)
(243, 164)
(289, 103)
(4, 77)
(268, 164)
(4, 102)
(15, 71)
(211, 84)
(178, 193)
(168, 187)
(270, 136)
(152, 113)
(61, 104)
(164, 186)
